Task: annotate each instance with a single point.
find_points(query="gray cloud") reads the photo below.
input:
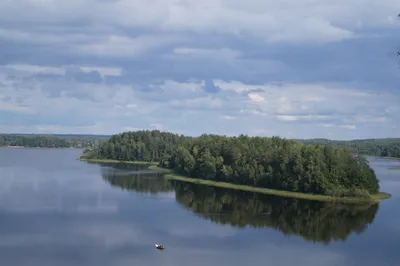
(266, 66)
(276, 108)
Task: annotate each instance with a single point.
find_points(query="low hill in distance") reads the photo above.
(50, 141)
(387, 147)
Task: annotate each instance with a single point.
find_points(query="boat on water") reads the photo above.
(159, 246)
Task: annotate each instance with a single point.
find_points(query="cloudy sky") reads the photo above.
(293, 68)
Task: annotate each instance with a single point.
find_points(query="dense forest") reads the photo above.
(50, 141)
(376, 147)
(312, 220)
(255, 161)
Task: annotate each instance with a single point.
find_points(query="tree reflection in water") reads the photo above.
(312, 220)
(135, 177)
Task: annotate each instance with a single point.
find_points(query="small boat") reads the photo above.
(159, 246)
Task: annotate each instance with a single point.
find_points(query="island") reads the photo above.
(273, 165)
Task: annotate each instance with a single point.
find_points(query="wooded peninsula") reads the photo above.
(272, 163)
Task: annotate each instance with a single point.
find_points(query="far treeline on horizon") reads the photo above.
(313, 166)
(381, 147)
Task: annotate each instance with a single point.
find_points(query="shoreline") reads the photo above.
(169, 174)
(23, 147)
(381, 157)
(117, 161)
(388, 158)
(275, 192)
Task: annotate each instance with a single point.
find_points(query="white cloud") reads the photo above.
(197, 103)
(104, 71)
(122, 46)
(259, 66)
(301, 117)
(256, 98)
(103, 44)
(34, 69)
(4, 106)
(293, 102)
(342, 126)
(294, 21)
(312, 29)
(225, 54)
(286, 109)
(228, 117)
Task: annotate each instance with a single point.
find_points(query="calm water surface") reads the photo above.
(55, 210)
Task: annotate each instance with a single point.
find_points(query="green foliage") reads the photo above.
(49, 141)
(375, 147)
(33, 141)
(274, 163)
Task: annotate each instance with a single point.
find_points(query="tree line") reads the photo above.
(49, 141)
(255, 161)
(389, 147)
(312, 220)
(373, 147)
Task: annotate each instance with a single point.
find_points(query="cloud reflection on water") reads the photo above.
(81, 220)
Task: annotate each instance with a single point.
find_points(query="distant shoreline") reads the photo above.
(116, 161)
(383, 157)
(23, 147)
(169, 174)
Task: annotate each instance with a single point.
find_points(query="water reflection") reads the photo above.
(313, 221)
(136, 177)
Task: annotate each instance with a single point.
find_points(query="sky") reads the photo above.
(289, 68)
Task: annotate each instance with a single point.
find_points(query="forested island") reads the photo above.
(50, 141)
(312, 220)
(257, 162)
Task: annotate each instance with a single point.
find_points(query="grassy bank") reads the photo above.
(394, 168)
(173, 176)
(116, 161)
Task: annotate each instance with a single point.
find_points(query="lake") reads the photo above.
(56, 210)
